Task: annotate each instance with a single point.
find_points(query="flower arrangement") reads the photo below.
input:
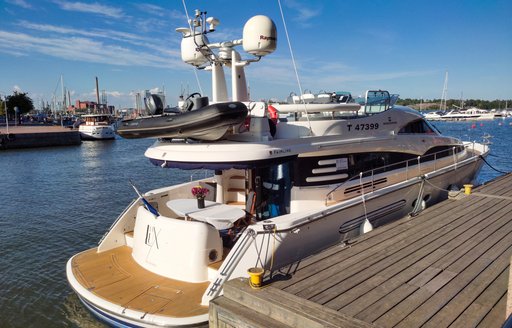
(200, 192)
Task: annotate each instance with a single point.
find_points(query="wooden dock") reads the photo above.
(446, 267)
(37, 136)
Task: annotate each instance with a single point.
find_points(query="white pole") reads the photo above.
(6, 116)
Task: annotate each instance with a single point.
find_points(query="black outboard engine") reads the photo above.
(154, 105)
(195, 101)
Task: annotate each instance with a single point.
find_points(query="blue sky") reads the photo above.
(354, 45)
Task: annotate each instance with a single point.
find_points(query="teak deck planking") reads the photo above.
(113, 275)
(446, 266)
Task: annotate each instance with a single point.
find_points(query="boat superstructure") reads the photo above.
(289, 181)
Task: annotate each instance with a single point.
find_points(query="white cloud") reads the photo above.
(20, 3)
(120, 36)
(16, 88)
(303, 13)
(115, 94)
(153, 10)
(116, 35)
(93, 8)
(176, 14)
(83, 49)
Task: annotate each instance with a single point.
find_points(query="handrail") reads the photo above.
(405, 164)
(230, 265)
(197, 171)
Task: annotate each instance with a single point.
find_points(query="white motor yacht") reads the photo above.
(97, 127)
(285, 185)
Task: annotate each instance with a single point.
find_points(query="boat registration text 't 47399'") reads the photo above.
(363, 126)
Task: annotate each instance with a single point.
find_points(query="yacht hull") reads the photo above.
(97, 132)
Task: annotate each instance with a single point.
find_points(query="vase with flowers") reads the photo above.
(200, 193)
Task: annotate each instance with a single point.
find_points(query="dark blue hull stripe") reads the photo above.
(107, 318)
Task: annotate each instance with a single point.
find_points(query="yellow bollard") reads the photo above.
(256, 277)
(467, 189)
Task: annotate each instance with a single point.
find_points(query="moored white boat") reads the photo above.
(97, 127)
(283, 189)
(467, 115)
(434, 116)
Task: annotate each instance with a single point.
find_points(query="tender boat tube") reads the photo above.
(207, 123)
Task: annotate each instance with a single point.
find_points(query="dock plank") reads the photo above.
(485, 290)
(404, 270)
(440, 299)
(416, 300)
(447, 266)
(363, 243)
(496, 315)
(423, 246)
(354, 258)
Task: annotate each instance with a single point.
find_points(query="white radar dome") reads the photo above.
(189, 49)
(260, 36)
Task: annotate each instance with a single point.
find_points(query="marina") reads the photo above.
(68, 197)
(447, 266)
(238, 207)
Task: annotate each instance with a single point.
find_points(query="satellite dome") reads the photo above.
(260, 36)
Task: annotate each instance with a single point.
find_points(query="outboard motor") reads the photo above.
(200, 102)
(154, 105)
(195, 101)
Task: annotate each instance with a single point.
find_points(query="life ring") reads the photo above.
(272, 112)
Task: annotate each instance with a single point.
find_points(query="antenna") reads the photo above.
(259, 39)
(294, 66)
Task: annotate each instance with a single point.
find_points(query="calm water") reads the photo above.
(56, 202)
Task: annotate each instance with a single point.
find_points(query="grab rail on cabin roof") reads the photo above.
(407, 164)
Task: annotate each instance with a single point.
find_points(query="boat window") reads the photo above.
(326, 170)
(416, 127)
(273, 185)
(379, 162)
(440, 152)
(315, 171)
(376, 101)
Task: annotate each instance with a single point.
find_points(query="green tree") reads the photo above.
(2, 107)
(20, 100)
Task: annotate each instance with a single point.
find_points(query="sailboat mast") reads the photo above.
(63, 93)
(97, 95)
(63, 106)
(445, 92)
